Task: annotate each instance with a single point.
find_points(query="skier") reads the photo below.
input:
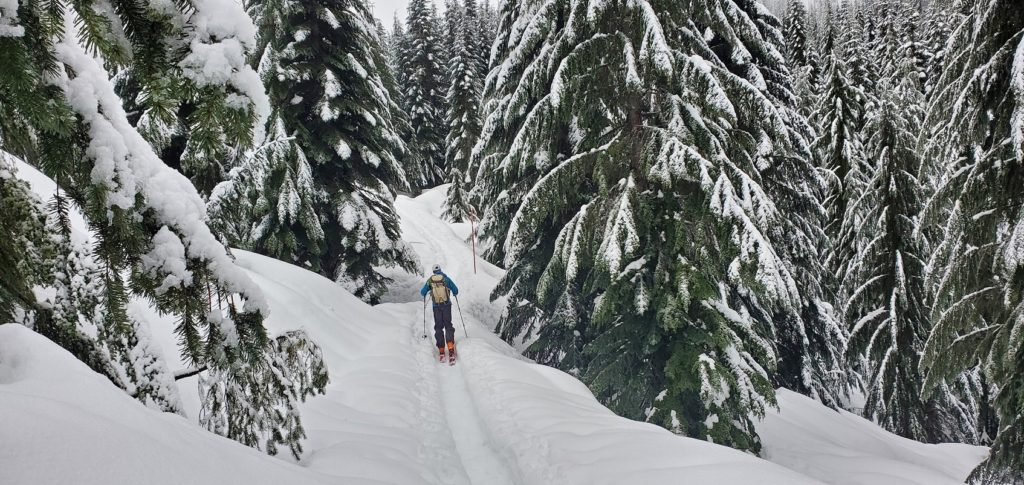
(441, 288)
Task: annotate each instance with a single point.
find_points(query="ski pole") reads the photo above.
(460, 316)
(424, 317)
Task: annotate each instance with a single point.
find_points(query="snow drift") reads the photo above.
(843, 448)
(60, 422)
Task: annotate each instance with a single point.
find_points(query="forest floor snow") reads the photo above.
(393, 415)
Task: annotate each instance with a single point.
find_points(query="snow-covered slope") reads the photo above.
(62, 423)
(392, 415)
(843, 448)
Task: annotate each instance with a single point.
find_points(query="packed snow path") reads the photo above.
(481, 463)
(453, 406)
(435, 243)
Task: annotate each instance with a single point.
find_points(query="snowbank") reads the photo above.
(552, 430)
(843, 448)
(62, 423)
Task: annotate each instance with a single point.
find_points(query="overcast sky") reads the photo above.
(385, 9)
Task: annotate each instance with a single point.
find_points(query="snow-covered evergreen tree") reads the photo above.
(795, 31)
(148, 219)
(147, 223)
(424, 92)
(976, 114)
(884, 282)
(463, 112)
(450, 28)
(937, 30)
(400, 57)
(624, 144)
(89, 310)
(897, 38)
(389, 72)
(476, 39)
(840, 152)
(398, 62)
(856, 31)
(74, 300)
(289, 225)
(232, 205)
(810, 340)
(292, 370)
(329, 192)
(801, 60)
(192, 113)
(23, 251)
(487, 31)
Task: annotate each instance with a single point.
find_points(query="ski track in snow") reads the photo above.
(480, 463)
(478, 457)
(440, 445)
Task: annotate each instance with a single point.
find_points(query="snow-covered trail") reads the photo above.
(439, 429)
(479, 459)
(436, 243)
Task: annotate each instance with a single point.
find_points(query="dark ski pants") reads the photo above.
(443, 324)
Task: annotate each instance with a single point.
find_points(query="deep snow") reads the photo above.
(393, 415)
(61, 423)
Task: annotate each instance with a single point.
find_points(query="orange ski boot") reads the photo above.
(451, 353)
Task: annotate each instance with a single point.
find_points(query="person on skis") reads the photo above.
(441, 288)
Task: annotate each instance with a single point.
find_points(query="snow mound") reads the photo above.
(842, 448)
(62, 423)
(552, 430)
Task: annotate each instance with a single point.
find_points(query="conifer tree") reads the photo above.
(293, 369)
(330, 196)
(802, 65)
(400, 58)
(476, 38)
(884, 279)
(22, 220)
(232, 205)
(795, 32)
(840, 152)
(389, 71)
(148, 219)
(463, 108)
(810, 340)
(488, 29)
(289, 227)
(884, 282)
(397, 83)
(975, 116)
(60, 112)
(856, 30)
(424, 92)
(176, 98)
(450, 27)
(937, 30)
(620, 157)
